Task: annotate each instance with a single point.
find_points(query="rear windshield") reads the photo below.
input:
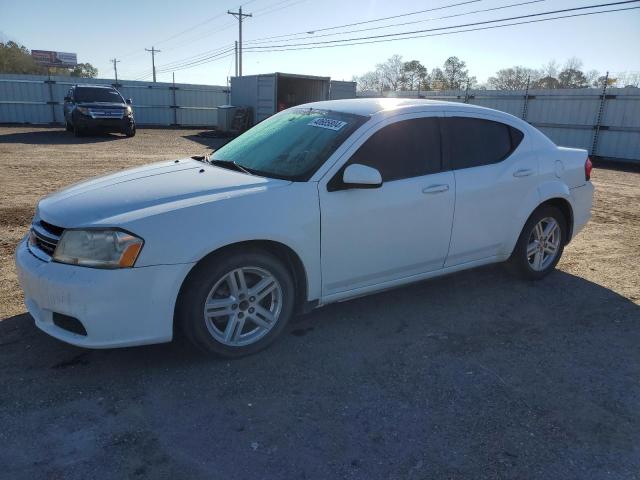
(292, 144)
(86, 94)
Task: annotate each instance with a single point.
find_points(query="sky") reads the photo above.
(99, 31)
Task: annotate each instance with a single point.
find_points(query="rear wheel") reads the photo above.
(236, 305)
(541, 243)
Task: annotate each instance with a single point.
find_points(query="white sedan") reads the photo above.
(319, 203)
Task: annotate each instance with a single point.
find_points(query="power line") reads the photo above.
(196, 57)
(380, 19)
(397, 34)
(407, 23)
(224, 54)
(445, 33)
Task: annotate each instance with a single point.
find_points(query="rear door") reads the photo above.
(494, 172)
(376, 235)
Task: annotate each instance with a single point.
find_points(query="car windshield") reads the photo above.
(292, 144)
(97, 95)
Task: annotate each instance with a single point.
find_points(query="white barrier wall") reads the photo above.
(38, 100)
(606, 125)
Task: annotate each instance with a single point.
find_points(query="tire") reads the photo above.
(77, 131)
(211, 280)
(130, 131)
(532, 259)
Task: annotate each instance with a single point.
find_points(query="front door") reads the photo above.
(378, 235)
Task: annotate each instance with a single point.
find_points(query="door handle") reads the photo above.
(525, 172)
(436, 188)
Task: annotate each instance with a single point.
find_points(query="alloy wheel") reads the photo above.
(543, 244)
(243, 306)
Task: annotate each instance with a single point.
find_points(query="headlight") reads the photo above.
(129, 111)
(83, 110)
(98, 248)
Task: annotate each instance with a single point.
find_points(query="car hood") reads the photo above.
(149, 190)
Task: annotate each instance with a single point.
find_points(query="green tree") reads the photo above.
(456, 75)
(413, 75)
(572, 75)
(85, 70)
(16, 58)
(546, 82)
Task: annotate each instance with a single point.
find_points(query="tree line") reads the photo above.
(16, 58)
(398, 75)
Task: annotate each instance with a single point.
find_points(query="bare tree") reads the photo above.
(549, 69)
(370, 81)
(391, 72)
(514, 78)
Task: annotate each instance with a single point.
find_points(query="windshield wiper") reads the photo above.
(229, 164)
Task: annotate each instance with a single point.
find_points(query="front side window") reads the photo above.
(474, 142)
(292, 144)
(88, 94)
(405, 149)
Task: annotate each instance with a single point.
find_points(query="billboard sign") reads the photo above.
(54, 59)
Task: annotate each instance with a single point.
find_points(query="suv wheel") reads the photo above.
(541, 243)
(77, 131)
(237, 304)
(130, 131)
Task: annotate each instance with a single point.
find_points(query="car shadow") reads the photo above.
(512, 373)
(208, 139)
(57, 137)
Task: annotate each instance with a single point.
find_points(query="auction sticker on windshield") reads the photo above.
(329, 123)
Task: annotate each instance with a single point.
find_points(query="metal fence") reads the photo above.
(604, 121)
(38, 99)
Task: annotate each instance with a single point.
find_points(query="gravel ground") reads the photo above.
(475, 375)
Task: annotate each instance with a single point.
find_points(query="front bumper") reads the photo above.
(118, 308)
(105, 124)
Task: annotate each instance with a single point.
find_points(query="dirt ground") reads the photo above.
(475, 375)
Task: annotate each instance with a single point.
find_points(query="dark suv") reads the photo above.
(97, 107)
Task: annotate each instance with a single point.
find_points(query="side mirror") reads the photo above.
(129, 101)
(361, 176)
(67, 98)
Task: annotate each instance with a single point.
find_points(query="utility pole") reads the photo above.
(153, 61)
(236, 50)
(115, 68)
(239, 15)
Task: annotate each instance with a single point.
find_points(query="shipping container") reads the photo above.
(270, 93)
(341, 89)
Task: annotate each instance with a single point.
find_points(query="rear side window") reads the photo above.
(410, 148)
(474, 141)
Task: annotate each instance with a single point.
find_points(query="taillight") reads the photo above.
(588, 166)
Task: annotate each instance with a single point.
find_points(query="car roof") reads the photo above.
(373, 106)
(88, 85)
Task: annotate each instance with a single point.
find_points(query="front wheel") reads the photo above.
(130, 131)
(541, 243)
(236, 305)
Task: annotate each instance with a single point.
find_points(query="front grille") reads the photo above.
(45, 237)
(57, 231)
(106, 113)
